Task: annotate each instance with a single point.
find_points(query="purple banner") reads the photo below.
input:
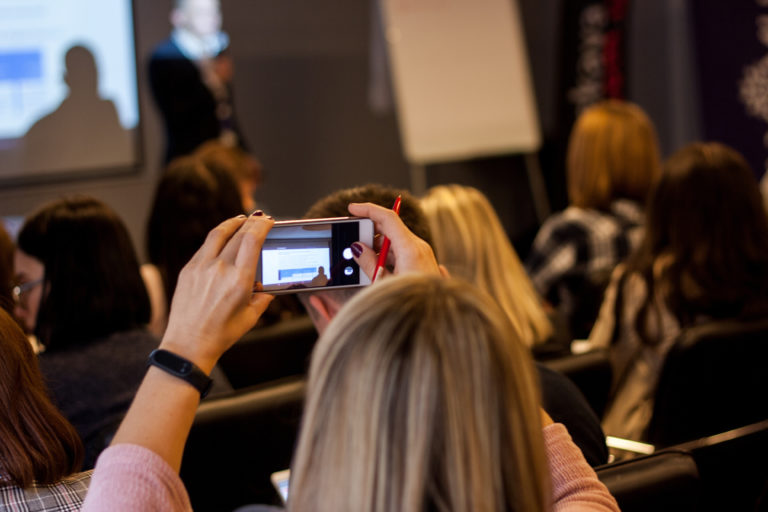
(732, 46)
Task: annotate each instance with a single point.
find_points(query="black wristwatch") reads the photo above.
(181, 368)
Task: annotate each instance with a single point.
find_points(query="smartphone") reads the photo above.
(307, 255)
(280, 480)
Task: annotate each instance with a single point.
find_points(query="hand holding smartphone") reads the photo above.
(307, 255)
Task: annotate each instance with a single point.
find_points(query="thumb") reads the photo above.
(260, 301)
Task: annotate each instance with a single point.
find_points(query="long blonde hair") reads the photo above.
(469, 240)
(420, 397)
(613, 153)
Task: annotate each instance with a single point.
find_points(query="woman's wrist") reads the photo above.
(187, 350)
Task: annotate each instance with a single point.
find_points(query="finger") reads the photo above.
(257, 305)
(385, 220)
(365, 257)
(260, 302)
(254, 233)
(229, 252)
(217, 238)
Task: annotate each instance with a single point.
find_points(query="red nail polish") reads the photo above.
(357, 249)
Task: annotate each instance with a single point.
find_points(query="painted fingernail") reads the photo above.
(357, 249)
(258, 213)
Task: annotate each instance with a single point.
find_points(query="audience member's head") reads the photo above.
(469, 240)
(706, 236)
(36, 443)
(612, 154)
(190, 200)
(244, 168)
(6, 271)
(78, 273)
(323, 305)
(414, 392)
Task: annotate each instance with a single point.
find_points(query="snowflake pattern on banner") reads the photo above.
(753, 88)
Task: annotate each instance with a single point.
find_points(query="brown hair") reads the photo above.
(92, 280)
(232, 159)
(612, 153)
(420, 397)
(706, 238)
(36, 442)
(335, 205)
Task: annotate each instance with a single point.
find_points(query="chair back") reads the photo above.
(667, 480)
(591, 372)
(732, 467)
(714, 379)
(270, 353)
(238, 441)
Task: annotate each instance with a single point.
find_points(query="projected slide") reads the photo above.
(68, 95)
(292, 262)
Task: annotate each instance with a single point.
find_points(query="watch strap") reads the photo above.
(181, 368)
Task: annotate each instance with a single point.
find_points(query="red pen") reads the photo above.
(385, 244)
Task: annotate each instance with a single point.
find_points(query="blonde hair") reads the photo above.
(469, 240)
(420, 397)
(612, 153)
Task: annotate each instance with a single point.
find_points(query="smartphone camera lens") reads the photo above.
(347, 255)
(348, 271)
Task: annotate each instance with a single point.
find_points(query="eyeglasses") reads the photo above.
(22, 289)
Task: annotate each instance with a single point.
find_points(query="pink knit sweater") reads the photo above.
(131, 478)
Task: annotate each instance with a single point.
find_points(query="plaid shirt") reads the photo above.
(66, 495)
(575, 252)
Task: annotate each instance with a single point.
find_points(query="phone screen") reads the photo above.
(281, 479)
(305, 255)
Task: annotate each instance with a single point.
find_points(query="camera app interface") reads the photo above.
(309, 256)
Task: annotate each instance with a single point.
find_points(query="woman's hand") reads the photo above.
(214, 303)
(407, 252)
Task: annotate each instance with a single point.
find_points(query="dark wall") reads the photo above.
(301, 92)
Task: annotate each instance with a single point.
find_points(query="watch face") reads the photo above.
(173, 362)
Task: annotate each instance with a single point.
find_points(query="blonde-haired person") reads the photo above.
(612, 164)
(413, 408)
(469, 240)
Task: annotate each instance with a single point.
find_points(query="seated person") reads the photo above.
(561, 399)
(611, 166)
(40, 452)
(84, 300)
(470, 241)
(704, 256)
(407, 408)
(242, 166)
(190, 200)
